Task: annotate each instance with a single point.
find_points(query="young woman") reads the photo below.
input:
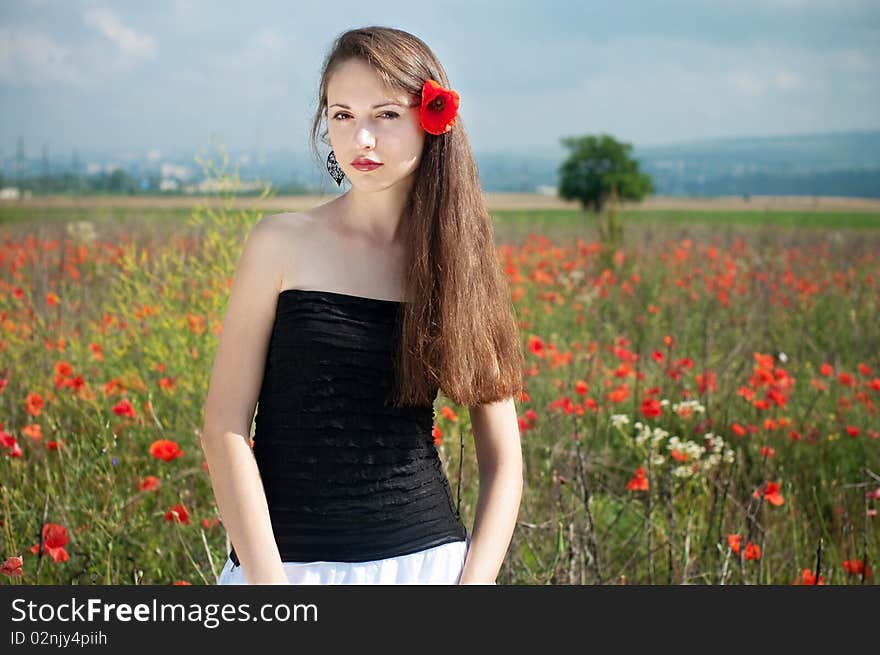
(343, 323)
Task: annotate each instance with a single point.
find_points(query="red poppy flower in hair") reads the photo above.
(439, 108)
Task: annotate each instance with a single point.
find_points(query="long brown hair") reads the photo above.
(459, 333)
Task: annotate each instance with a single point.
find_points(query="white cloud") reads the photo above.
(746, 82)
(130, 43)
(259, 53)
(785, 80)
(32, 57)
(854, 60)
(758, 82)
(269, 39)
(35, 59)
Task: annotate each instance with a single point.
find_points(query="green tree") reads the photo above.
(121, 182)
(595, 166)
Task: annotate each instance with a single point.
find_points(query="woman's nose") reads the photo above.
(365, 138)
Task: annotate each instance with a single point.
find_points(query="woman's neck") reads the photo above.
(373, 216)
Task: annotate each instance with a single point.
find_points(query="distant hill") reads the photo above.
(831, 164)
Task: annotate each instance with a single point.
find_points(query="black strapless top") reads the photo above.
(348, 477)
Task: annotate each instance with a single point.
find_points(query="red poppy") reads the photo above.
(809, 578)
(124, 408)
(856, 567)
(177, 513)
(439, 108)
(639, 482)
(536, 345)
(753, 551)
(8, 441)
(54, 540)
(771, 494)
(34, 404)
(149, 483)
(651, 407)
(165, 449)
(12, 566)
(733, 541)
(13, 448)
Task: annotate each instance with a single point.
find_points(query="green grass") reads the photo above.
(517, 219)
(539, 219)
(12, 214)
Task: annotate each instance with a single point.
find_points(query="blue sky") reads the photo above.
(169, 74)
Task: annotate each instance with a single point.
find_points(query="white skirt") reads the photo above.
(438, 565)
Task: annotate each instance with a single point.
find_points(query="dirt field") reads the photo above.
(494, 200)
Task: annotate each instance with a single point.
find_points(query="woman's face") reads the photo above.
(389, 134)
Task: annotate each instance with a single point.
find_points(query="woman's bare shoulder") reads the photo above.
(290, 228)
(298, 239)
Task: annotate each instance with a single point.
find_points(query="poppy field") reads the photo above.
(701, 403)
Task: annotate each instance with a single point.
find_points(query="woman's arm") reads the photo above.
(499, 459)
(233, 390)
(238, 492)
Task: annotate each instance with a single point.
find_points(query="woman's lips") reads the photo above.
(365, 167)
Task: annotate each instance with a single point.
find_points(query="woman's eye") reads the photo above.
(392, 114)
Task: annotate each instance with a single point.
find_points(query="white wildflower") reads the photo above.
(682, 471)
(82, 232)
(686, 407)
(711, 461)
(659, 435)
(716, 442)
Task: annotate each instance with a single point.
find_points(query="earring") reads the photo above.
(335, 171)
